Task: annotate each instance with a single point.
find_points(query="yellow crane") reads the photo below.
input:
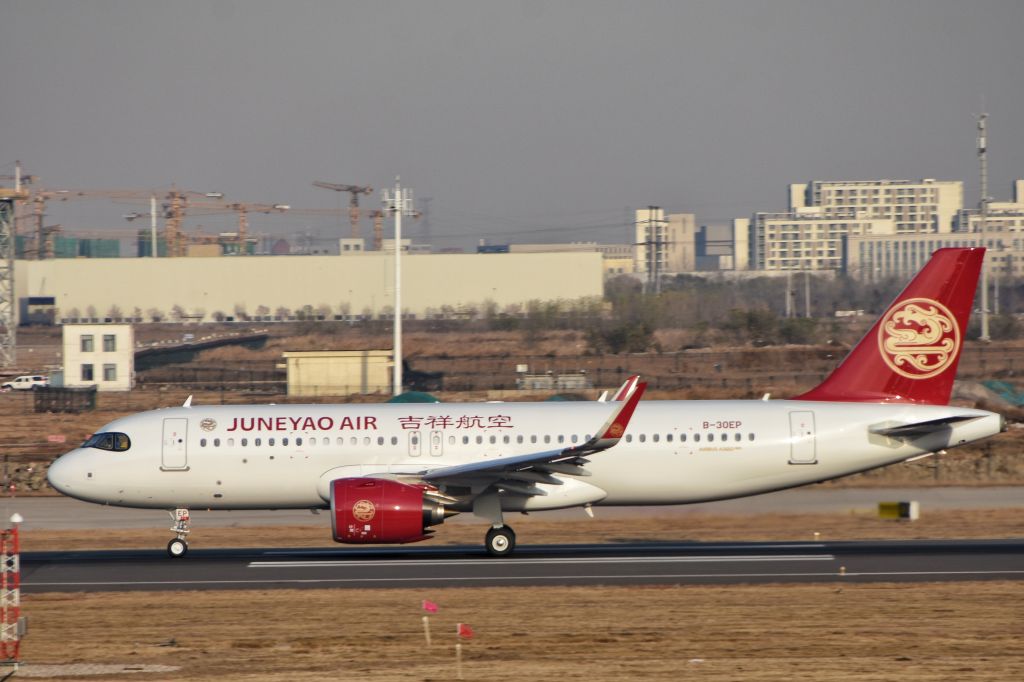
(355, 191)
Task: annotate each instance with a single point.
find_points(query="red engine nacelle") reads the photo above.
(377, 510)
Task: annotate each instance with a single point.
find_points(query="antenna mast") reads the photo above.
(398, 202)
(983, 208)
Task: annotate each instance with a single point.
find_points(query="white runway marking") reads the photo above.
(498, 563)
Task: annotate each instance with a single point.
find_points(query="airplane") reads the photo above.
(389, 473)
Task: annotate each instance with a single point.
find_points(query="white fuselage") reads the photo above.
(674, 452)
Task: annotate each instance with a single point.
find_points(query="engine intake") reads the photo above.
(377, 510)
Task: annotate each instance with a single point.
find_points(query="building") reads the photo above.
(338, 372)
(279, 288)
(618, 258)
(875, 257)
(665, 245)
(100, 355)
(915, 206)
(809, 240)
(823, 214)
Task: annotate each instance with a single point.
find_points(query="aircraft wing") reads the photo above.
(918, 429)
(513, 472)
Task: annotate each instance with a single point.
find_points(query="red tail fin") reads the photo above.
(911, 353)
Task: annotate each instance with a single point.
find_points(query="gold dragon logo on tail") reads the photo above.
(919, 338)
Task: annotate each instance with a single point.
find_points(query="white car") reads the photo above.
(27, 383)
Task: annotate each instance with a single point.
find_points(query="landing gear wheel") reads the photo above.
(500, 541)
(177, 548)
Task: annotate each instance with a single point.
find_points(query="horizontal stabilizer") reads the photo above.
(918, 429)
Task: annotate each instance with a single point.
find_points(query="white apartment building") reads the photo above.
(823, 214)
(915, 206)
(874, 257)
(665, 245)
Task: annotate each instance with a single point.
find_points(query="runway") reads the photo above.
(469, 566)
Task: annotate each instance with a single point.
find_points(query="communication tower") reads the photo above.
(8, 320)
(398, 202)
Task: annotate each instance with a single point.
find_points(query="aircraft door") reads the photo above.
(174, 455)
(415, 445)
(436, 443)
(802, 447)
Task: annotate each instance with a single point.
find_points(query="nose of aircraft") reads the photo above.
(65, 472)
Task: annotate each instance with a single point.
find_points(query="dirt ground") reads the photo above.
(826, 632)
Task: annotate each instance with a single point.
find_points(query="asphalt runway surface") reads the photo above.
(63, 513)
(468, 566)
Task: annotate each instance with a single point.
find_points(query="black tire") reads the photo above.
(177, 548)
(500, 541)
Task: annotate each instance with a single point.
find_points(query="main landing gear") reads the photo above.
(500, 541)
(178, 546)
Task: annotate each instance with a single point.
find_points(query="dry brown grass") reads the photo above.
(919, 632)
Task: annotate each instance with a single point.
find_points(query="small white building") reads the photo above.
(100, 355)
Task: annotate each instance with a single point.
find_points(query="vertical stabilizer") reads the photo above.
(912, 352)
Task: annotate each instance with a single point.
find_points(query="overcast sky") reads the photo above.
(523, 121)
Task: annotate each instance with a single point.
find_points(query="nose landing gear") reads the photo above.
(178, 546)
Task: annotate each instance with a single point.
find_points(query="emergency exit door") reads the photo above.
(174, 455)
(802, 447)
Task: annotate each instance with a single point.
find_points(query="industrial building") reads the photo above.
(303, 287)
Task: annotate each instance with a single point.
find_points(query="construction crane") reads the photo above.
(353, 203)
(377, 215)
(39, 198)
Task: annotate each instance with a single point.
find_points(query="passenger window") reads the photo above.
(394, 440)
(257, 442)
(231, 442)
(298, 441)
(668, 438)
(216, 442)
(451, 440)
(380, 440)
(519, 438)
(366, 440)
(494, 439)
(465, 440)
(696, 438)
(561, 438)
(750, 437)
(340, 441)
(682, 437)
(284, 441)
(642, 437)
(245, 442)
(507, 440)
(312, 441)
(574, 438)
(533, 438)
(711, 437)
(739, 437)
(656, 437)
(202, 442)
(629, 437)
(270, 442)
(547, 439)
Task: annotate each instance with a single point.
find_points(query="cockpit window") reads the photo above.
(116, 442)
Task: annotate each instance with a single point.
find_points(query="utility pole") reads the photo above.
(398, 202)
(983, 208)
